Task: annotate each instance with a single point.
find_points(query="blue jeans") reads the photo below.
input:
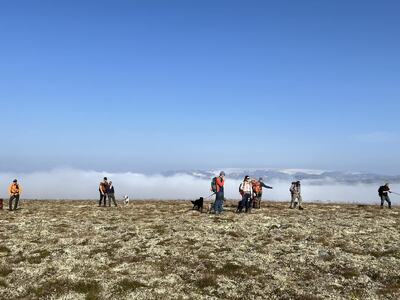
(387, 199)
(219, 202)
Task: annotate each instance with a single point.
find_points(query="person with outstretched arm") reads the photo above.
(258, 186)
(219, 195)
(383, 192)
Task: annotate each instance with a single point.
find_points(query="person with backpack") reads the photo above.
(383, 192)
(15, 191)
(295, 191)
(217, 186)
(103, 191)
(258, 186)
(111, 194)
(246, 191)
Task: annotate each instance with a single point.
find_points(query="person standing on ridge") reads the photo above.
(219, 194)
(383, 193)
(111, 194)
(246, 190)
(103, 191)
(295, 191)
(258, 191)
(15, 191)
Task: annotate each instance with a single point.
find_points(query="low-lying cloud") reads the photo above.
(80, 184)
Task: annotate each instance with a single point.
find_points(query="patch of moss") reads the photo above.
(208, 280)
(5, 271)
(127, 285)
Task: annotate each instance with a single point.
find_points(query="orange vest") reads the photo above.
(15, 189)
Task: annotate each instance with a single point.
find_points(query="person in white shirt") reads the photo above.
(246, 190)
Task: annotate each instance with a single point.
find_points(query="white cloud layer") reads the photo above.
(80, 184)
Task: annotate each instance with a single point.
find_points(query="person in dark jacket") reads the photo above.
(111, 194)
(384, 191)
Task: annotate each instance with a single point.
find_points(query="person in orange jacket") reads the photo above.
(258, 186)
(15, 191)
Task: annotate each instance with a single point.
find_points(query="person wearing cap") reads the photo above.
(246, 191)
(258, 186)
(15, 191)
(103, 191)
(111, 194)
(384, 191)
(295, 191)
(219, 195)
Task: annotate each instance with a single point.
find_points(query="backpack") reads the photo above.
(381, 190)
(241, 192)
(214, 185)
(256, 187)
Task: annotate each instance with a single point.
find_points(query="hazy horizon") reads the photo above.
(81, 184)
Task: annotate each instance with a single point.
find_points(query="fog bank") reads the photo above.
(81, 184)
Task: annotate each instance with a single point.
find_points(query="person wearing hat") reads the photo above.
(15, 191)
(295, 191)
(246, 191)
(103, 191)
(219, 195)
(258, 186)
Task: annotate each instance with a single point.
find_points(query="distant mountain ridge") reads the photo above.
(316, 177)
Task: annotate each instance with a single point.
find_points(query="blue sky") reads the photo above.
(159, 85)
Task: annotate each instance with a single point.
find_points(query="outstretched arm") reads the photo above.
(266, 186)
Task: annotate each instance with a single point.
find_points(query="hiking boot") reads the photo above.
(381, 206)
(301, 208)
(291, 207)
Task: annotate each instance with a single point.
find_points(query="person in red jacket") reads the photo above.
(219, 195)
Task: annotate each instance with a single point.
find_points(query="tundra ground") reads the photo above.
(163, 250)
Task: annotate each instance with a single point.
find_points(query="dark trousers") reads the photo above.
(245, 203)
(111, 196)
(387, 199)
(103, 197)
(12, 198)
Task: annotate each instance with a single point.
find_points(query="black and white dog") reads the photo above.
(126, 200)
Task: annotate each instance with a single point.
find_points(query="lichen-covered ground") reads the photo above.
(163, 250)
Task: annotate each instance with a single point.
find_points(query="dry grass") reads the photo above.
(163, 250)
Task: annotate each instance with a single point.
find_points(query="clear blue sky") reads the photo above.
(158, 85)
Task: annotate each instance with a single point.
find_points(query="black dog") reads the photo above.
(198, 204)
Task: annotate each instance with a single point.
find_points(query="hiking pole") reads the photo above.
(210, 195)
(395, 193)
